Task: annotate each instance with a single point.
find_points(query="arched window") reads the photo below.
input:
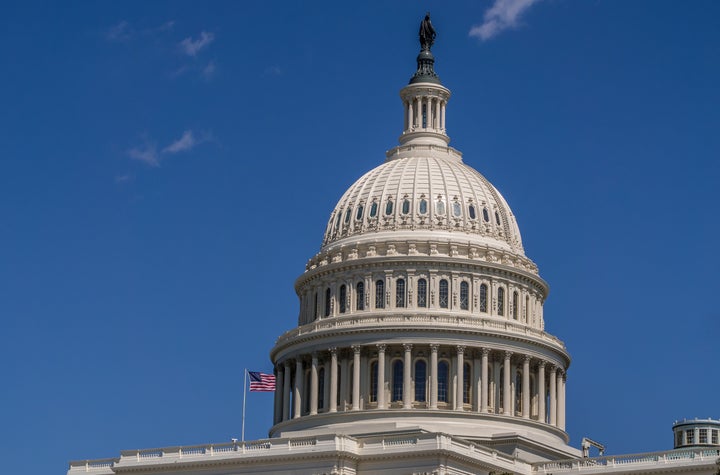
(515, 305)
(457, 209)
(360, 296)
(483, 298)
(442, 381)
(373, 381)
(486, 216)
(406, 206)
(389, 208)
(525, 309)
(471, 211)
(315, 306)
(497, 218)
(400, 293)
(501, 301)
(423, 206)
(343, 298)
(464, 295)
(422, 293)
(443, 294)
(467, 383)
(420, 377)
(397, 392)
(373, 209)
(359, 214)
(321, 388)
(380, 294)
(440, 207)
(327, 302)
(518, 392)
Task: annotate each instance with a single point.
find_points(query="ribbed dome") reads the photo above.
(423, 188)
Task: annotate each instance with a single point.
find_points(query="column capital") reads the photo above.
(314, 355)
(381, 347)
(333, 350)
(485, 351)
(542, 364)
(407, 346)
(553, 368)
(356, 349)
(526, 358)
(460, 349)
(508, 355)
(434, 347)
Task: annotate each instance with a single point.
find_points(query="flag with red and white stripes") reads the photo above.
(261, 381)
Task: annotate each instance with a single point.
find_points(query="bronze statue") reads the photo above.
(427, 33)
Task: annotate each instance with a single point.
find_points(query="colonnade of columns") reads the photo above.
(425, 112)
(412, 376)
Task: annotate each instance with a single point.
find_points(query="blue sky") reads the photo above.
(167, 168)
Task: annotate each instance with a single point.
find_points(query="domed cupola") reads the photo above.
(421, 309)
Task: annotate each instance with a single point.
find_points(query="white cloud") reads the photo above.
(184, 143)
(147, 153)
(209, 70)
(192, 47)
(502, 15)
(123, 178)
(120, 32)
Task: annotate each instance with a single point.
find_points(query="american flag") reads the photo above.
(261, 381)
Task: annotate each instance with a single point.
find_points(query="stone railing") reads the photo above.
(451, 322)
(274, 449)
(611, 462)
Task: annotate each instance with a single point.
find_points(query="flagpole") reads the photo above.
(244, 396)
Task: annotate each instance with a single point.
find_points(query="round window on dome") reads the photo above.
(471, 211)
(389, 208)
(457, 210)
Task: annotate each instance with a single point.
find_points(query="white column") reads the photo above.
(286, 392)
(407, 377)
(553, 396)
(561, 400)
(460, 377)
(541, 392)
(297, 397)
(345, 382)
(526, 388)
(442, 115)
(325, 406)
(417, 113)
(433, 376)
(484, 383)
(476, 382)
(279, 383)
(408, 114)
(381, 376)
(507, 395)
(356, 378)
(333, 379)
(314, 385)
(436, 114)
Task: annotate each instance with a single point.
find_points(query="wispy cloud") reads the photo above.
(122, 31)
(184, 143)
(149, 153)
(123, 178)
(146, 153)
(209, 70)
(274, 70)
(502, 15)
(192, 47)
